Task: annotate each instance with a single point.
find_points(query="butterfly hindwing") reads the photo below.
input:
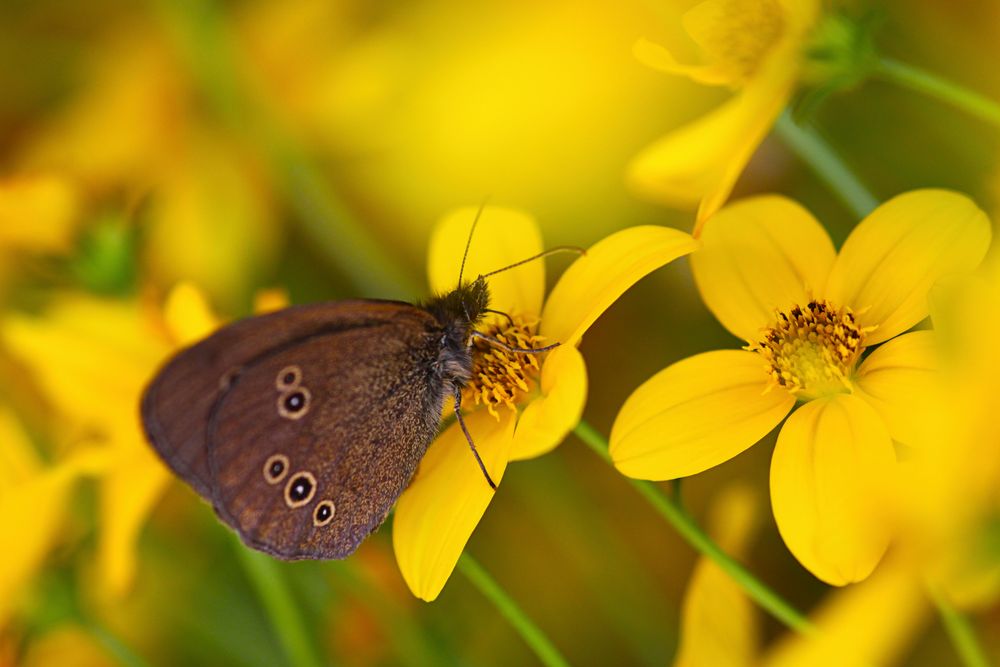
(302, 427)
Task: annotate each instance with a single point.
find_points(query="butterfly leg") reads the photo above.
(508, 348)
(468, 436)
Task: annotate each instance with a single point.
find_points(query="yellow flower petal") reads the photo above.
(898, 380)
(702, 160)
(720, 626)
(188, 315)
(546, 420)
(758, 255)
(894, 256)
(436, 515)
(33, 502)
(696, 414)
(129, 491)
(737, 34)
(832, 458)
(869, 624)
(503, 236)
(655, 56)
(91, 356)
(68, 645)
(38, 213)
(270, 300)
(594, 281)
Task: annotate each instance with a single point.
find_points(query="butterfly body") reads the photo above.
(302, 427)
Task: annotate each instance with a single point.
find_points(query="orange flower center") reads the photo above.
(812, 351)
(500, 377)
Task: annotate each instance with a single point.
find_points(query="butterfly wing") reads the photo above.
(302, 427)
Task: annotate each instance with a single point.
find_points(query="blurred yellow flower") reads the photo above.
(38, 213)
(870, 624)
(756, 47)
(33, 501)
(68, 645)
(951, 510)
(769, 273)
(720, 627)
(136, 132)
(530, 403)
(92, 357)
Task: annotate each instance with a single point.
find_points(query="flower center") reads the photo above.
(736, 33)
(500, 377)
(811, 351)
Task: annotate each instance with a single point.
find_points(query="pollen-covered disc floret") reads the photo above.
(500, 377)
(811, 351)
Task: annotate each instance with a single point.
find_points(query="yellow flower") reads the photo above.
(755, 47)
(869, 624)
(951, 510)
(133, 130)
(526, 404)
(720, 627)
(33, 501)
(92, 357)
(38, 213)
(769, 272)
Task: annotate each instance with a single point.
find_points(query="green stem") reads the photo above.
(532, 635)
(812, 149)
(670, 509)
(939, 88)
(271, 588)
(113, 645)
(961, 633)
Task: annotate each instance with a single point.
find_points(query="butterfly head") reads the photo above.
(462, 308)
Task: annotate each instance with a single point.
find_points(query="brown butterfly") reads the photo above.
(302, 427)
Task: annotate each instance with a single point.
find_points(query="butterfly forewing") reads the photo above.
(302, 427)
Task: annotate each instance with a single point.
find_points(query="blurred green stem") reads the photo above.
(272, 589)
(960, 631)
(670, 509)
(113, 645)
(532, 635)
(812, 149)
(939, 88)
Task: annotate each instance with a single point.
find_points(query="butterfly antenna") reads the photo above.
(551, 251)
(468, 241)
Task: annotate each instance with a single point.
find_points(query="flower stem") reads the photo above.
(530, 633)
(669, 508)
(271, 588)
(812, 149)
(115, 646)
(939, 88)
(960, 631)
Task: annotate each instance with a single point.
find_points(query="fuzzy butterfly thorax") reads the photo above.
(458, 312)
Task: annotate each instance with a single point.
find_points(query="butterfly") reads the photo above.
(302, 427)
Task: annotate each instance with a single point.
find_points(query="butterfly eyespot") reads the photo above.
(323, 514)
(300, 489)
(294, 404)
(275, 468)
(289, 377)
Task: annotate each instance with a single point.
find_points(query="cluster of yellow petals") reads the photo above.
(501, 377)
(757, 49)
